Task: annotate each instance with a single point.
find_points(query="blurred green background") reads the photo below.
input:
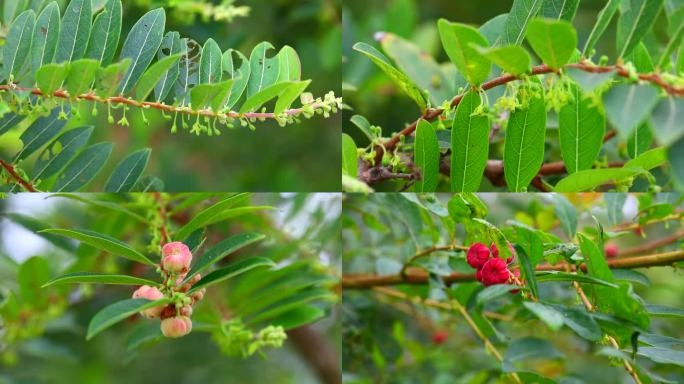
(299, 157)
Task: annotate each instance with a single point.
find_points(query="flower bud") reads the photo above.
(186, 310)
(477, 256)
(175, 327)
(150, 293)
(199, 295)
(611, 250)
(176, 257)
(495, 271)
(495, 252)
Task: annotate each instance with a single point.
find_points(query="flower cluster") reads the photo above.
(176, 258)
(490, 268)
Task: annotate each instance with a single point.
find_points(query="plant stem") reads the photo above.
(431, 114)
(163, 217)
(427, 252)
(450, 306)
(160, 106)
(365, 281)
(10, 169)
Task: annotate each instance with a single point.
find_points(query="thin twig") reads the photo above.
(365, 281)
(427, 252)
(431, 114)
(156, 105)
(163, 217)
(10, 169)
(652, 245)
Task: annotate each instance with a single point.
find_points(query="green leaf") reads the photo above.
(566, 214)
(663, 355)
(640, 140)
(221, 250)
(593, 178)
(102, 242)
(18, 44)
(158, 71)
(31, 274)
(75, 31)
(234, 269)
(521, 13)
(255, 101)
(141, 46)
(589, 81)
(45, 35)
(82, 169)
(128, 171)
(210, 70)
(426, 157)
(399, 78)
(604, 18)
(580, 321)
(581, 126)
(675, 155)
(512, 59)
(41, 132)
(188, 70)
(532, 253)
(553, 41)
(106, 33)
(291, 303)
(290, 67)
(81, 76)
(460, 43)
(544, 276)
(494, 292)
(524, 145)
(170, 46)
(56, 156)
(83, 198)
(667, 120)
(297, 317)
(210, 95)
(559, 9)
(11, 8)
(9, 121)
(635, 21)
(98, 278)
(663, 311)
(119, 311)
(50, 77)
(469, 145)
(641, 59)
(650, 159)
(240, 74)
(201, 219)
(420, 67)
(350, 161)
(109, 78)
(551, 317)
(628, 105)
(264, 70)
(289, 95)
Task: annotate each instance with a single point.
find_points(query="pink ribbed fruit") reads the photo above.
(149, 293)
(176, 257)
(175, 327)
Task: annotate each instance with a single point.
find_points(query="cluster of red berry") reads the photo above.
(490, 268)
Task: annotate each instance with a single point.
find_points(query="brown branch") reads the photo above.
(431, 114)
(160, 106)
(10, 169)
(652, 245)
(365, 281)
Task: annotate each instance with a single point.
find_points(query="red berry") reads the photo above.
(439, 337)
(495, 252)
(611, 250)
(477, 256)
(495, 271)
